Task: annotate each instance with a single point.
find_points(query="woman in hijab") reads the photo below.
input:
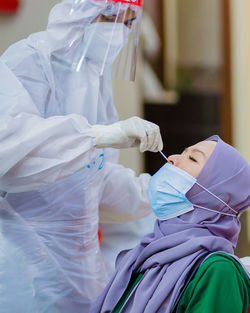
(188, 264)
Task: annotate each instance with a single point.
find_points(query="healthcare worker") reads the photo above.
(117, 237)
(57, 130)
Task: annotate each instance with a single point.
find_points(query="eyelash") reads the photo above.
(192, 159)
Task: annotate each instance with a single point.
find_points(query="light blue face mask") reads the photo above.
(167, 193)
(167, 190)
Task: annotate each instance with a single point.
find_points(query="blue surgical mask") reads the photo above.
(167, 192)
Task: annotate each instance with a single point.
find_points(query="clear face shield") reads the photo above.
(111, 37)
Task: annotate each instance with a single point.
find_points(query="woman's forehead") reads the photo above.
(206, 147)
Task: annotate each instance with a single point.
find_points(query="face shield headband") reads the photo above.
(138, 3)
(167, 193)
(111, 38)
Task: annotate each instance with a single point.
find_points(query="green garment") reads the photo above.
(135, 279)
(220, 285)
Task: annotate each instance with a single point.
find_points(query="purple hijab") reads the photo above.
(167, 255)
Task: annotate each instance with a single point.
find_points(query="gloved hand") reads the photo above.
(129, 133)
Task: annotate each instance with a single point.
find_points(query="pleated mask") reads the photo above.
(167, 190)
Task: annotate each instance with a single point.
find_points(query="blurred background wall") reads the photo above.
(240, 92)
(31, 17)
(202, 20)
(193, 74)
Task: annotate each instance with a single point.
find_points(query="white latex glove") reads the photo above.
(132, 132)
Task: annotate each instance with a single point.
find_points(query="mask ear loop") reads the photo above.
(212, 194)
(211, 210)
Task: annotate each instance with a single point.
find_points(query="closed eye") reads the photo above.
(192, 159)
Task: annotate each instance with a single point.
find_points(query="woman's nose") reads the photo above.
(174, 159)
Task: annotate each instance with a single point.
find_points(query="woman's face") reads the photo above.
(193, 159)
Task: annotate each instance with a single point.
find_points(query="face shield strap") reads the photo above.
(138, 3)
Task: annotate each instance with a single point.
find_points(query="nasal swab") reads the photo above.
(164, 156)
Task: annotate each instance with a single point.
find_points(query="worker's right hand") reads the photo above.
(129, 133)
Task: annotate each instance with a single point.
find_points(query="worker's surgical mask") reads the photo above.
(167, 193)
(104, 41)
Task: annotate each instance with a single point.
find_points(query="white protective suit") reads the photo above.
(52, 175)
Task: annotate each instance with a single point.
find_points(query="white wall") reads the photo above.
(33, 17)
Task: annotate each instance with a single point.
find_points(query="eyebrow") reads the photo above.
(196, 150)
